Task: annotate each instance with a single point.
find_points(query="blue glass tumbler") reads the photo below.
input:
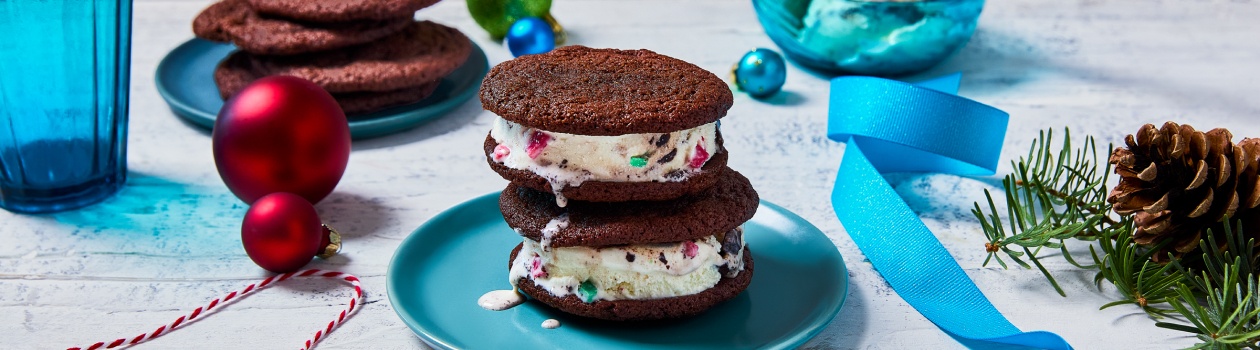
(64, 68)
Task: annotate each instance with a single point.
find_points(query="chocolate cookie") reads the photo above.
(421, 53)
(651, 309)
(234, 73)
(716, 210)
(580, 90)
(340, 10)
(354, 103)
(606, 191)
(235, 22)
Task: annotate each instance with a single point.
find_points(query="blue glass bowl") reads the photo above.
(869, 37)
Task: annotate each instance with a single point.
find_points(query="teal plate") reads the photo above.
(185, 79)
(441, 269)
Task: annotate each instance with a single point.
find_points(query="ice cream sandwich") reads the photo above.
(633, 260)
(605, 125)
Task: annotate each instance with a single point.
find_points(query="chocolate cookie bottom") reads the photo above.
(642, 310)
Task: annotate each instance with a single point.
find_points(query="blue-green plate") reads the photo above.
(185, 79)
(441, 269)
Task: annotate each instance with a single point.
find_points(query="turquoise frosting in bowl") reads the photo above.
(869, 37)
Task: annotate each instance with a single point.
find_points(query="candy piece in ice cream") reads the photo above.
(690, 249)
(501, 152)
(700, 156)
(638, 161)
(587, 291)
(537, 141)
(536, 270)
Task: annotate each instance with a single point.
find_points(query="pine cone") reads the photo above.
(1179, 183)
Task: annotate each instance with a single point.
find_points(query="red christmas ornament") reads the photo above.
(281, 134)
(282, 232)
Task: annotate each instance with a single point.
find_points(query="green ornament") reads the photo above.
(638, 161)
(497, 16)
(587, 291)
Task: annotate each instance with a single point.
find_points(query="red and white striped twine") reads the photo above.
(354, 281)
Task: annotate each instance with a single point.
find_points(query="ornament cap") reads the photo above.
(330, 243)
(556, 28)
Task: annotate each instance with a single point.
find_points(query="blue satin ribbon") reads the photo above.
(890, 126)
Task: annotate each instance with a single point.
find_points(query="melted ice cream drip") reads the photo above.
(551, 323)
(499, 300)
(549, 232)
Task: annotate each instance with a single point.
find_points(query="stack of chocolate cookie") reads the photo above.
(369, 54)
(619, 183)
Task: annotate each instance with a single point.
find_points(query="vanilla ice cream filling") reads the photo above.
(569, 160)
(645, 271)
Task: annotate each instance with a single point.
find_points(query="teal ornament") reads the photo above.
(529, 36)
(760, 72)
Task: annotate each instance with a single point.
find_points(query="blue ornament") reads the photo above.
(760, 72)
(529, 36)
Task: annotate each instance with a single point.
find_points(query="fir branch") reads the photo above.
(1058, 193)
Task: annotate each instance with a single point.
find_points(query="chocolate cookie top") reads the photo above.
(607, 191)
(641, 310)
(236, 22)
(421, 53)
(716, 210)
(235, 72)
(580, 90)
(340, 10)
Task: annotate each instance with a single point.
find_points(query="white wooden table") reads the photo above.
(170, 240)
